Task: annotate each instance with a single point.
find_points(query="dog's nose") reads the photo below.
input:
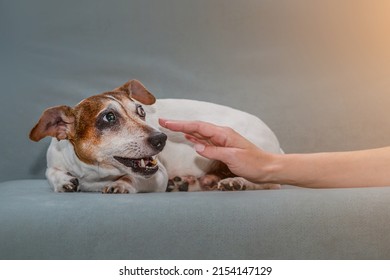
(157, 140)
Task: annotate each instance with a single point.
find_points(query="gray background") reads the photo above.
(317, 72)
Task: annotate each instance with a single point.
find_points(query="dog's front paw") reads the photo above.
(209, 182)
(118, 189)
(67, 184)
(183, 184)
(72, 186)
(190, 183)
(232, 184)
(62, 181)
(241, 184)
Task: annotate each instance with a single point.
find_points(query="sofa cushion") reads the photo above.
(37, 223)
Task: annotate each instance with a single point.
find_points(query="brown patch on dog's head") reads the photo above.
(135, 89)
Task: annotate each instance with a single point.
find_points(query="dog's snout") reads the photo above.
(157, 140)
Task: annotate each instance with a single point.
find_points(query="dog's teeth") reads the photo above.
(143, 165)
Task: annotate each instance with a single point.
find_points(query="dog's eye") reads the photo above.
(109, 117)
(141, 111)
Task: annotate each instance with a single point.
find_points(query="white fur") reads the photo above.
(179, 157)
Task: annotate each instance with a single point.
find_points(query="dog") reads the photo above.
(112, 143)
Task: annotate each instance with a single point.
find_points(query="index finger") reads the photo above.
(217, 135)
(189, 127)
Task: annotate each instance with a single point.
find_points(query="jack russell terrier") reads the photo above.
(111, 143)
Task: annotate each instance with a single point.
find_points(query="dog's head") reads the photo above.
(108, 129)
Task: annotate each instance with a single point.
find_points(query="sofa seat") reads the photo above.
(37, 223)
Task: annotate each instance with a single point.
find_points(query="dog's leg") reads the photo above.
(211, 182)
(121, 185)
(241, 184)
(192, 184)
(230, 182)
(62, 181)
(218, 178)
(183, 184)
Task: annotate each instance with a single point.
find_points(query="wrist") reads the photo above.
(271, 168)
(290, 169)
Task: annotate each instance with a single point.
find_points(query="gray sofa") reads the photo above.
(317, 74)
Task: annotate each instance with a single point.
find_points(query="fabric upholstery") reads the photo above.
(37, 223)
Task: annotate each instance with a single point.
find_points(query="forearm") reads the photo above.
(331, 170)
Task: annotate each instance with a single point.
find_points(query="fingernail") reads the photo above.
(199, 147)
(162, 122)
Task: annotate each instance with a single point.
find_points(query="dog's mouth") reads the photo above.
(144, 166)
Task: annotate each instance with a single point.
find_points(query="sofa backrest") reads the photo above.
(316, 73)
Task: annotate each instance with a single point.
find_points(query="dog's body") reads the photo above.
(110, 143)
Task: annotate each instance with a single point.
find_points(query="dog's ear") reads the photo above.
(55, 122)
(138, 91)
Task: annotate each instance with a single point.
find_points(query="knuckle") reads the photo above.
(228, 130)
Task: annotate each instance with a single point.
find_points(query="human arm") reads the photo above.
(363, 168)
(315, 170)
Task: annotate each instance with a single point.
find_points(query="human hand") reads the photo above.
(242, 157)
